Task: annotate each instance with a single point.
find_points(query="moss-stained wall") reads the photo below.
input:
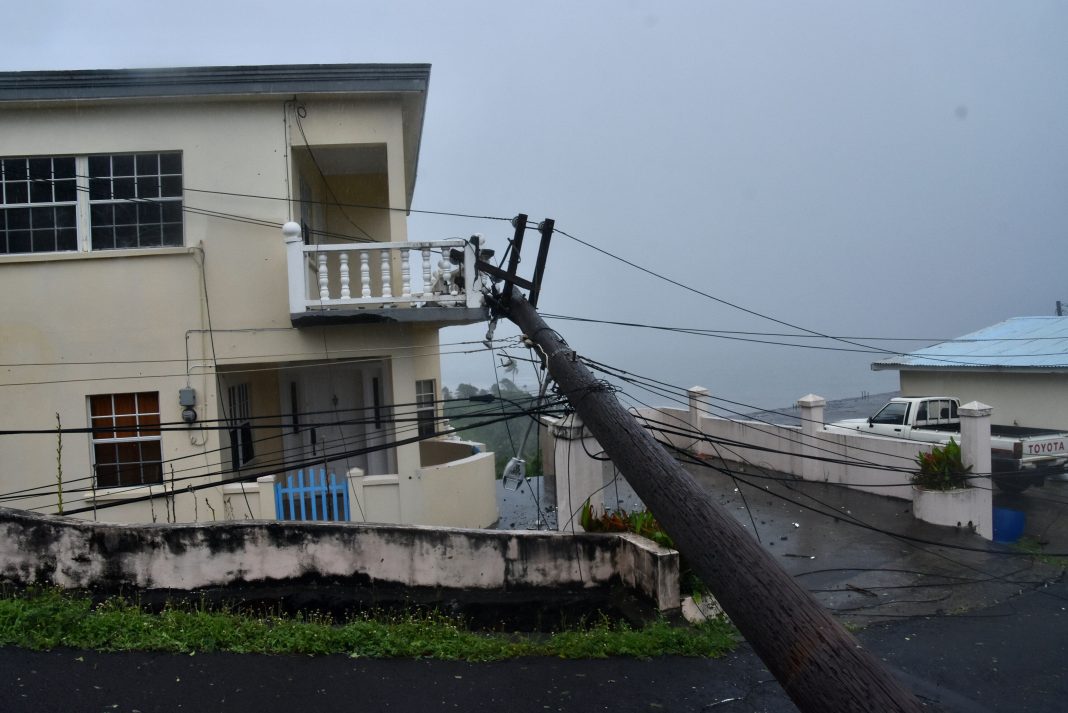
(38, 549)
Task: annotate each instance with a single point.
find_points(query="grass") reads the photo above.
(47, 618)
(1031, 545)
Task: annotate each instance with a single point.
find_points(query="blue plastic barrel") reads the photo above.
(1008, 525)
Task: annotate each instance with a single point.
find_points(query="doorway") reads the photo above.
(337, 415)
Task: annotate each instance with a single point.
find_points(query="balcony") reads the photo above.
(379, 282)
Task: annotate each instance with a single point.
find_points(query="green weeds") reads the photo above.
(46, 619)
(1032, 546)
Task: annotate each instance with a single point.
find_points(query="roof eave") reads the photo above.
(878, 366)
(104, 84)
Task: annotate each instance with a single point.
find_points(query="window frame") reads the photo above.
(426, 411)
(894, 413)
(239, 419)
(142, 422)
(170, 233)
(10, 204)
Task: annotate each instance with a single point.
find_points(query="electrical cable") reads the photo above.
(413, 423)
(740, 308)
(239, 371)
(734, 336)
(271, 469)
(300, 112)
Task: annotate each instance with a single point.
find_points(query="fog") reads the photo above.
(855, 169)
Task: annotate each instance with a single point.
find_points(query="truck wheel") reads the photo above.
(1011, 483)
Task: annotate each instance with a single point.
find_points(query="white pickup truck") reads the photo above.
(1021, 456)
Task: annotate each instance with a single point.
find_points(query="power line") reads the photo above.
(738, 307)
(367, 206)
(299, 112)
(662, 389)
(276, 367)
(734, 336)
(241, 357)
(266, 468)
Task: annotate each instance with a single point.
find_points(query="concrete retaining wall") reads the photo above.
(75, 554)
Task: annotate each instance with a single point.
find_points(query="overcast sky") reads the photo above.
(879, 169)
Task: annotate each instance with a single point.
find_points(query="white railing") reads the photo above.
(376, 275)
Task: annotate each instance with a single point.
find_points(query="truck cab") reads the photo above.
(926, 419)
(1020, 456)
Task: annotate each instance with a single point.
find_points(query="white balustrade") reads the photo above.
(420, 284)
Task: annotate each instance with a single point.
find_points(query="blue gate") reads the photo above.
(315, 497)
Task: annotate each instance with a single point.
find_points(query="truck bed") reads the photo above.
(1022, 431)
(1013, 432)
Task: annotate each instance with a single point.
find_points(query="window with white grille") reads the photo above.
(86, 203)
(127, 448)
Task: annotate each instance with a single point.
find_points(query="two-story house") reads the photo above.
(208, 270)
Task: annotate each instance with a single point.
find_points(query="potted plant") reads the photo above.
(941, 492)
(942, 468)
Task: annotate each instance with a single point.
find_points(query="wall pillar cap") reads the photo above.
(811, 401)
(697, 391)
(975, 409)
(570, 427)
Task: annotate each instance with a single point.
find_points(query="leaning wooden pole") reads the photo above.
(819, 664)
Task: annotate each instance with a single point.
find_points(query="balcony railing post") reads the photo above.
(365, 275)
(406, 274)
(324, 278)
(343, 271)
(387, 282)
(474, 295)
(427, 279)
(298, 290)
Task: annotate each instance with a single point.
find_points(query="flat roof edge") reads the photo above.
(202, 81)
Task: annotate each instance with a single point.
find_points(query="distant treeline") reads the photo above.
(503, 437)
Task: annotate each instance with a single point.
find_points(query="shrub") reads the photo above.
(942, 468)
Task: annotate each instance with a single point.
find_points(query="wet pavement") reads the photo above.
(968, 625)
(864, 556)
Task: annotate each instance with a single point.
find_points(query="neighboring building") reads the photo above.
(1019, 367)
(143, 266)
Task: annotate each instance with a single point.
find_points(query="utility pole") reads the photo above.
(819, 664)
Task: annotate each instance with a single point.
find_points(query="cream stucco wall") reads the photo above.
(1023, 399)
(78, 324)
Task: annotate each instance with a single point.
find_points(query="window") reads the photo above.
(240, 415)
(425, 407)
(130, 201)
(894, 413)
(38, 205)
(126, 442)
(135, 200)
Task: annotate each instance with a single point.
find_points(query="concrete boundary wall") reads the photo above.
(786, 449)
(78, 554)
